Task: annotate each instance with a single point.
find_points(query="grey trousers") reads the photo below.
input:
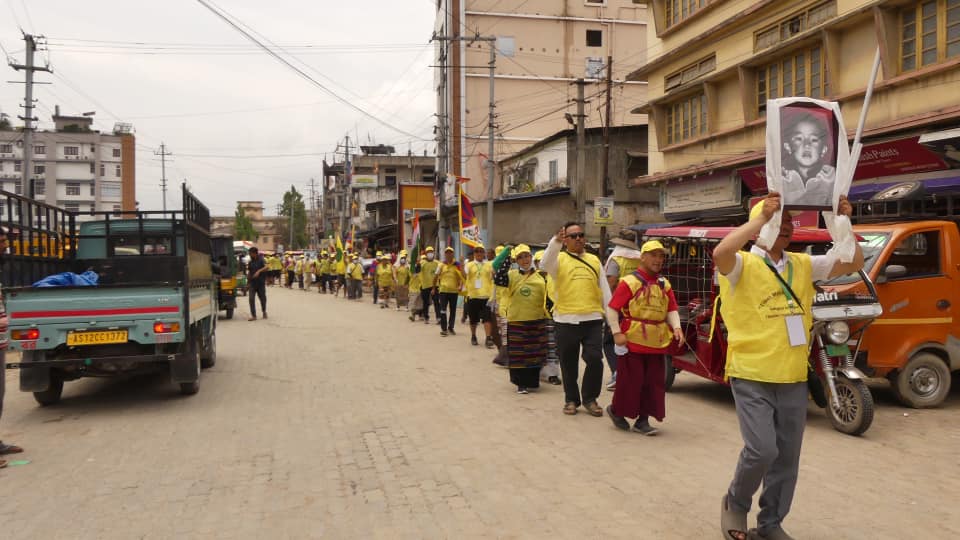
(3, 378)
(772, 417)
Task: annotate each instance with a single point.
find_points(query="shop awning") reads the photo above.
(383, 231)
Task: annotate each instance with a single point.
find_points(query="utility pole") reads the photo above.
(313, 213)
(491, 127)
(581, 152)
(606, 152)
(28, 119)
(163, 172)
(280, 213)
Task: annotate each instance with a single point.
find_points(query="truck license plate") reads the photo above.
(96, 338)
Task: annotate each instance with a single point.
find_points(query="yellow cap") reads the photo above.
(520, 249)
(429, 249)
(448, 248)
(538, 255)
(652, 245)
(497, 250)
(379, 254)
(423, 257)
(385, 257)
(403, 253)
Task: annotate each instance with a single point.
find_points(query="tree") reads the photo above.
(5, 123)
(243, 227)
(293, 202)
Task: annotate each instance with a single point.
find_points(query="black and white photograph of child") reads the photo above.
(808, 135)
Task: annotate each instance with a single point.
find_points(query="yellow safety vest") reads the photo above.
(384, 275)
(481, 272)
(758, 346)
(298, 268)
(647, 313)
(427, 271)
(627, 266)
(403, 275)
(356, 272)
(578, 288)
(414, 282)
(341, 267)
(528, 297)
(450, 278)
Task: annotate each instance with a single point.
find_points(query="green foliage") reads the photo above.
(293, 202)
(5, 124)
(243, 227)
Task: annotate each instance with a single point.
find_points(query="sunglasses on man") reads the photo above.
(575, 235)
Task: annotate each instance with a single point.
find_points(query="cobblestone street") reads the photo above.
(336, 419)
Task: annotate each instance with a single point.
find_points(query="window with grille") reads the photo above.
(686, 119)
(800, 73)
(116, 152)
(676, 11)
(18, 188)
(102, 170)
(17, 166)
(93, 168)
(71, 207)
(71, 150)
(794, 24)
(427, 176)
(929, 33)
(39, 187)
(73, 189)
(6, 148)
(690, 73)
(118, 171)
(39, 149)
(39, 169)
(390, 176)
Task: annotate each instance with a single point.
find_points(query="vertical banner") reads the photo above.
(469, 227)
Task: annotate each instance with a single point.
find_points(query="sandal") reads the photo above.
(570, 408)
(9, 449)
(3, 464)
(733, 524)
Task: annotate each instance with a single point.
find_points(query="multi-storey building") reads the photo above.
(74, 167)
(714, 64)
(542, 48)
(269, 233)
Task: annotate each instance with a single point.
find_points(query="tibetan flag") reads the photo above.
(469, 226)
(415, 247)
(339, 249)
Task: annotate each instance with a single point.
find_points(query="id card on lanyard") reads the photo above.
(796, 330)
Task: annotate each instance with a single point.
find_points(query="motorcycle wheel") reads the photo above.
(856, 407)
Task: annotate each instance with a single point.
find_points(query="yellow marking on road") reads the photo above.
(932, 320)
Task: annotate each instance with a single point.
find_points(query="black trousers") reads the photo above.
(608, 349)
(257, 289)
(570, 339)
(289, 279)
(448, 310)
(376, 290)
(426, 298)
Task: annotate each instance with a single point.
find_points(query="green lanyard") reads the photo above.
(786, 287)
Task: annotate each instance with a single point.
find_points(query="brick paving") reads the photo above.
(335, 419)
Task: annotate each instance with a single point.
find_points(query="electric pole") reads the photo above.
(606, 152)
(163, 172)
(28, 119)
(313, 218)
(347, 177)
(581, 152)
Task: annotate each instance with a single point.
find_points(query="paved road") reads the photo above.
(335, 419)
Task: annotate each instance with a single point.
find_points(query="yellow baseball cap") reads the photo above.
(403, 253)
(497, 250)
(429, 248)
(520, 249)
(448, 248)
(538, 255)
(652, 245)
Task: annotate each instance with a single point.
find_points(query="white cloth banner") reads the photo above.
(809, 163)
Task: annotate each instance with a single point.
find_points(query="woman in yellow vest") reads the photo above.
(298, 271)
(551, 367)
(526, 317)
(622, 262)
(384, 280)
(427, 268)
(417, 307)
(341, 270)
(401, 276)
(648, 322)
(448, 282)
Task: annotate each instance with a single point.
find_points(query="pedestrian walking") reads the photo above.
(447, 283)
(375, 282)
(401, 278)
(622, 262)
(766, 298)
(526, 317)
(646, 309)
(551, 367)
(298, 270)
(257, 283)
(355, 270)
(479, 286)
(416, 305)
(288, 266)
(428, 270)
(384, 280)
(582, 293)
(5, 449)
(323, 272)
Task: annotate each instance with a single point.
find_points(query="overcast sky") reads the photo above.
(184, 77)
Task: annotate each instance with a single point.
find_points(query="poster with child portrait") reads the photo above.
(807, 155)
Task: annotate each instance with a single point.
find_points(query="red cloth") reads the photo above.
(640, 386)
(621, 299)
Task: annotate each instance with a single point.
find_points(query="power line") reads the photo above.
(228, 19)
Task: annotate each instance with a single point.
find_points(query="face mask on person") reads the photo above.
(430, 256)
(403, 260)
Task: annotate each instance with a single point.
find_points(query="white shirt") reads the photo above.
(550, 263)
(821, 265)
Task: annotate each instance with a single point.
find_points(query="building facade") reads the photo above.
(542, 47)
(718, 62)
(268, 228)
(74, 167)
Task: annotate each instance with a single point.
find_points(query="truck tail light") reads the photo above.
(165, 328)
(31, 334)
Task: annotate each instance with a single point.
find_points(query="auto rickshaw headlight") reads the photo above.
(837, 332)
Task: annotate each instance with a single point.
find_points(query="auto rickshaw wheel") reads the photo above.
(923, 383)
(671, 373)
(856, 407)
(52, 394)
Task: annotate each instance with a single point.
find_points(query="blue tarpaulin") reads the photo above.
(69, 279)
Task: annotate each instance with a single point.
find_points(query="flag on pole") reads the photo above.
(415, 247)
(469, 226)
(339, 248)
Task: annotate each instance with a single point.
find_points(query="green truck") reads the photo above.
(153, 309)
